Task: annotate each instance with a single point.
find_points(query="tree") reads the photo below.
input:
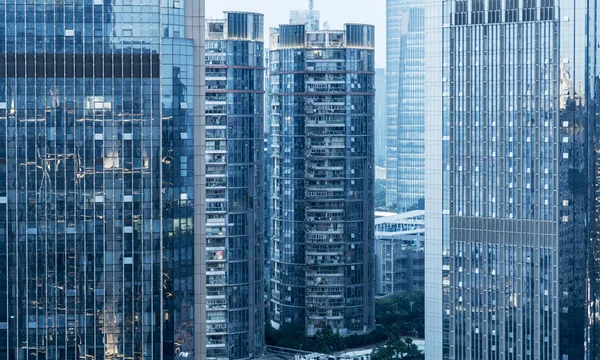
(402, 349)
(396, 316)
(379, 193)
(327, 342)
(402, 315)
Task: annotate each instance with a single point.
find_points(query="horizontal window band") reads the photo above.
(79, 65)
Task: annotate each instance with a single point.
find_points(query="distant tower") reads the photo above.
(405, 182)
(310, 17)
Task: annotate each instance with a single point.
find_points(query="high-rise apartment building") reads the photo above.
(322, 98)
(234, 186)
(512, 179)
(268, 184)
(101, 158)
(405, 164)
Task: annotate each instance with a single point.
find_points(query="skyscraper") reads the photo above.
(234, 186)
(405, 164)
(322, 88)
(380, 117)
(512, 179)
(101, 126)
(268, 185)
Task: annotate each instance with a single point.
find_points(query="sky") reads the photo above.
(337, 12)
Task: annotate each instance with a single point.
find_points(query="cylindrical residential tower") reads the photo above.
(322, 86)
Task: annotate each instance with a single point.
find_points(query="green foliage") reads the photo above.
(393, 316)
(327, 342)
(377, 336)
(398, 318)
(379, 193)
(403, 349)
(292, 337)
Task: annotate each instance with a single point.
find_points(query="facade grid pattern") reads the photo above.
(322, 104)
(234, 190)
(97, 121)
(519, 92)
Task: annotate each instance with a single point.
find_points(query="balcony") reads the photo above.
(325, 121)
(311, 253)
(325, 317)
(216, 329)
(216, 182)
(317, 272)
(324, 260)
(216, 269)
(324, 283)
(215, 343)
(323, 295)
(313, 229)
(311, 174)
(216, 159)
(215, 320)
(329, 168)
(215, 294)
(326, 152)
(216, 149)
(315, 143)
(339, 188)
(325, 218)
(215, 220)
(215, 171)
(216, 280)
(215, 256)
(219, 206)
(216, 232)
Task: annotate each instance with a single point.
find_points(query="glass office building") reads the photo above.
(234, 186)
(380, 117)
(101, 130)
(405, 164)
(512, 171)
(322, 98)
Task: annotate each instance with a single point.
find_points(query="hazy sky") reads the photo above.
(337, 12)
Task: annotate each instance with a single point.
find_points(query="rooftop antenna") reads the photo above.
(311, 5)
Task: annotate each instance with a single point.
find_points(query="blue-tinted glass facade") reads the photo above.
(235, 186)
(97, 123)
(405, 164)
(519, 136)
(322, 116)
(380, 117)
